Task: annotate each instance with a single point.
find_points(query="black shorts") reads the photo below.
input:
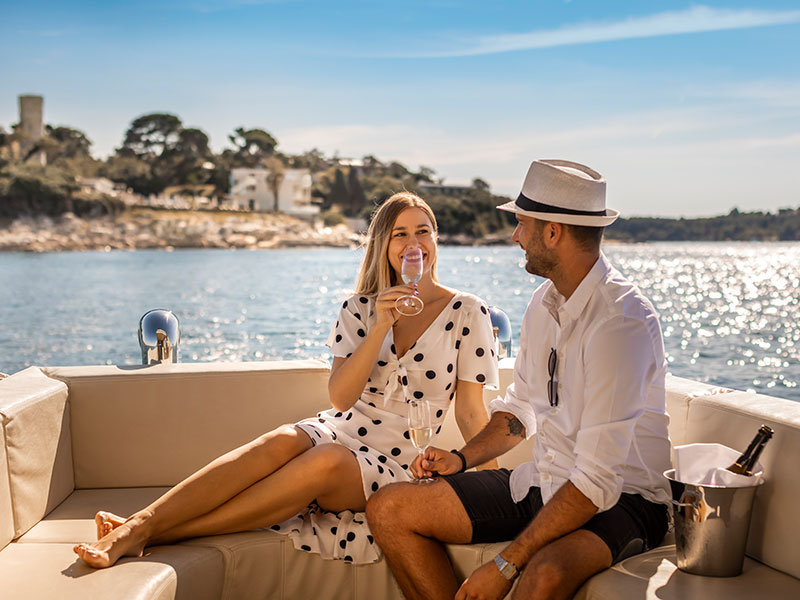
(633, 525)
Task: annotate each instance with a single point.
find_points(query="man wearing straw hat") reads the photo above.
(589, 382)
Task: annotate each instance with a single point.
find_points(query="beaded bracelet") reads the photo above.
(463, 460)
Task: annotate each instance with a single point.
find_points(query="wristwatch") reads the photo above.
(507, 569)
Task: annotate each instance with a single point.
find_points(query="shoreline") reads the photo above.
(151, 229)
(148, 229)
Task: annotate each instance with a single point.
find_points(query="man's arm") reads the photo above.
(502, 432)
(567, 511)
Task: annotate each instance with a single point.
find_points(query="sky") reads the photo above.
(688, 109)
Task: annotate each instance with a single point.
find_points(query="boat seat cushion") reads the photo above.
(35, 419)
(6, 514)
(164, 573)
(732, 419)
(178, 418)
(257, 564)
(655, 576)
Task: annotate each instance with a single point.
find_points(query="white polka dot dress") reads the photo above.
(457, 345)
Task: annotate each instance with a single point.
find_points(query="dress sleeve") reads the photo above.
(350, 328)
(477, 361)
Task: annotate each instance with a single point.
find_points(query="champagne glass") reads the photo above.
(411, 272)
(420, 428)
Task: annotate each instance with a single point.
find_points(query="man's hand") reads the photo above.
(435, 461)
(485, 583)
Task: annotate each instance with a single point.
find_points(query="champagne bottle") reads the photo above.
(745, 463)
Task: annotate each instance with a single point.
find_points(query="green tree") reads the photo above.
(314, 160)
(338, 194)
(426, 174)
(149, 136)
(252, 146)
(131, 170)
(68, 148)
(186, 161)
(480, 184)
(71, 142)
(356, 199)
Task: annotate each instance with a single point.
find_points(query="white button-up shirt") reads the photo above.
(608, 432)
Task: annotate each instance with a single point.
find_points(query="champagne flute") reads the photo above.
(411, 272)
(420, 428)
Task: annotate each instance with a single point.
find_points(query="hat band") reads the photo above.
(526, 203)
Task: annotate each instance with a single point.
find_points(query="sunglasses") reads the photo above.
(552, 384)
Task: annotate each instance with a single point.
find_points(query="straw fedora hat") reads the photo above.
(564, 192)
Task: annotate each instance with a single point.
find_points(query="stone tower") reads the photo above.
(31, 125)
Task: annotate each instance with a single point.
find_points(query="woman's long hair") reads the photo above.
(376, 273)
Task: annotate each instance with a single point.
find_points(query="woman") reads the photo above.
(307, 480)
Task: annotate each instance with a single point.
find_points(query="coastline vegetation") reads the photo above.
(158, 151)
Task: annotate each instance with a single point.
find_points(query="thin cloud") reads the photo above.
(697, 19)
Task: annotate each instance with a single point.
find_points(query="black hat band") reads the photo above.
(526, 203)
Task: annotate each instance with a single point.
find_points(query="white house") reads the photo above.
(250, 190)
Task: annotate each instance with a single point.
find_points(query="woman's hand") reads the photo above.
(435, 461)
(385, 312)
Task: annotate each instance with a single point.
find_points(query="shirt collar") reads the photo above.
(555, 302)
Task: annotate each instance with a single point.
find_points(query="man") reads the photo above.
(589, 381)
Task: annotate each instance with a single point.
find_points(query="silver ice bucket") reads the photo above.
(711, 525)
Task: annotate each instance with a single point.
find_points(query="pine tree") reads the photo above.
(355, 194)
(339, 194)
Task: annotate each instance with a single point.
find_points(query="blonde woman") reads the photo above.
(311, 480)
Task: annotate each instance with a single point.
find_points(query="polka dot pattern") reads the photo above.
(456, 346)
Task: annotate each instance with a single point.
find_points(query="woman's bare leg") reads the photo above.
(205, 490)
(328, 474)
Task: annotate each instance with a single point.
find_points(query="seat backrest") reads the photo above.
(732, 419)
(450, 437)
(37, 447)
(6, 513)
(143, 426)
(680, 392)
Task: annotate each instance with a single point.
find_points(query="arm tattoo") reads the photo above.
(515, 427)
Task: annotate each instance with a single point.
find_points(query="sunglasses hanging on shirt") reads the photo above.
(552, 384)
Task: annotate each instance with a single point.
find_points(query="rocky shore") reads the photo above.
(144, 228)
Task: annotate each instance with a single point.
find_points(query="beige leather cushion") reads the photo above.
(654, 576)
(679, 393)
(6, 514)
(732, 419)
(257, 564)
(33, 409)
(153, 426)
(450, 437)
(167, 572)
(73, 520)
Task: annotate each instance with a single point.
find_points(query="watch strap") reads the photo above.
(507, 568)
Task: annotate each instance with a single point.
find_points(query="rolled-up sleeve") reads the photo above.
(621, 368)
(516, 399)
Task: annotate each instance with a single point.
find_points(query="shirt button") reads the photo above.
(545, 477)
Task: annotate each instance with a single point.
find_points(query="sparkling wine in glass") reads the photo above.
(420, 427)
(411, 272)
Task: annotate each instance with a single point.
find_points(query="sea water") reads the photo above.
(729, 311)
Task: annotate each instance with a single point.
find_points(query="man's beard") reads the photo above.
(539, 261)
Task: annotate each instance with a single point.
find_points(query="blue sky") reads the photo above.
(688, 109)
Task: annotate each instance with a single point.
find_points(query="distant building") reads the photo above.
(452, 190)
(250, 190)
(31, 128)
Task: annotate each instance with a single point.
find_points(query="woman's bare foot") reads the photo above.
(106, 523)
(126, 540)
